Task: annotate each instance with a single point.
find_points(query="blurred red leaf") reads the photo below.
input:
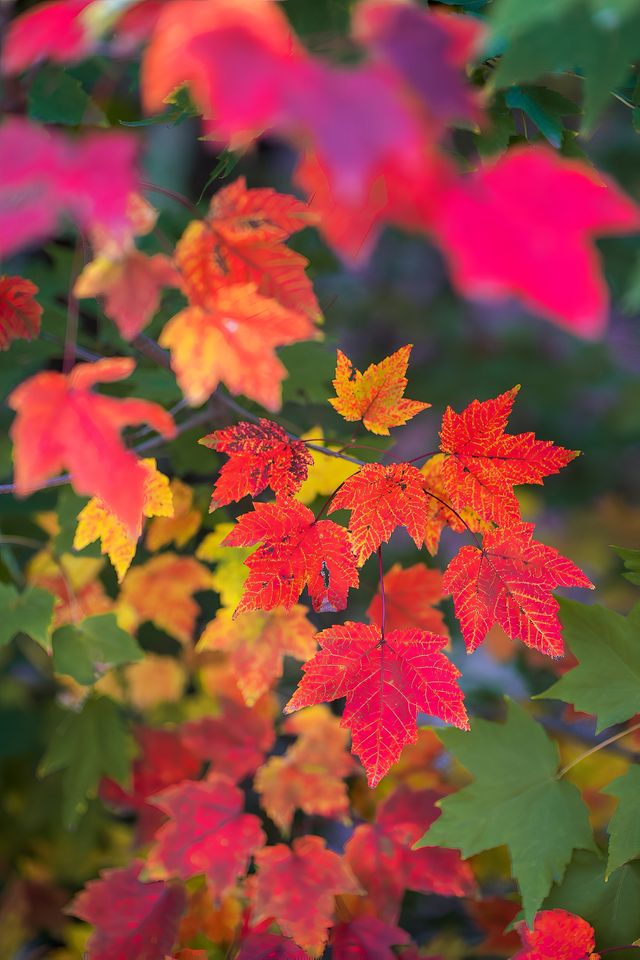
(409, 598)
(269, 946)
(20, 313)
(236, 741)
(366, 938)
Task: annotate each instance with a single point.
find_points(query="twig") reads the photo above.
(596, 748)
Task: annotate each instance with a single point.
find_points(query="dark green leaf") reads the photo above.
(544, 107)
(29, 612)
(631, 560)
(57, 97)
(624, 826)
(84, 650)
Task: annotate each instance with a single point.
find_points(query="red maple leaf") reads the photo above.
(44, 175)
(207, 834)
(61, 423)
(20, 313)
(54, 31)
(269, 946)
(236, 741)
(557, 935)
(381, 855)
(494, 916)
(366, 938)
(163, 759)
(409, 598)
(483, 463)
(260, 455)
(296, 887)
(295, 551)
(509, 581)
(535, 244)
(382, 498)
(132, 920)
(387, 680)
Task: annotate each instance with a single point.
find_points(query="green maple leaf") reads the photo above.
(606, 681)
(28, 612)
(515, 799)
(624, 826)
(86, 649)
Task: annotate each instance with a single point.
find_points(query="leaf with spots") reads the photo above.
(20, 312)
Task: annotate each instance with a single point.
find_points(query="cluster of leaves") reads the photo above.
(238, 836)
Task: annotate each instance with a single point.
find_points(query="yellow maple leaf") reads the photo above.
(178, 527)
(144, 685)
(230, 574)
(376, 396)
(96, 521)
(326, 474)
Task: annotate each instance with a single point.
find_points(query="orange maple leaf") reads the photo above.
(20, 313)
(256, 643)
(483, 463)
(439, 515)
(61, 423)
(376, 396)
(96, 521)
(161, 591)
(382, 498)
(409, 598)
(387, 680)
(295, 551)
(296, 886)
(178, 527)
(74, 583)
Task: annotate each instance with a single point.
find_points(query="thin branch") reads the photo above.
(598, 747)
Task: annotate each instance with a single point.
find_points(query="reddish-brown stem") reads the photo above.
(424, 456)
(456, 514)
(178, 197)
(383, 613)
(626, 946)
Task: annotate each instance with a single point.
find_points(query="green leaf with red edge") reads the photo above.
(260, 455)
(382, 498)
(387, 682)
(483, 463)
(20, 313)
(295, 550)
(132, 920)
(509, 581)
(207, 833)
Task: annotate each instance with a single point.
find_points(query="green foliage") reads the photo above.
(624, 826)
(515, 799)
(85, 747)
(631, 560)
(28, 612)
(57, 97)
(606, 681)
(85, 650)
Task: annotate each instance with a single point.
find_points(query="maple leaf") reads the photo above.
(204, 918)
(295, 551)
(269, 946)
(96, 521)
(207, 833)
(236, 332)
(257, 642)
(536, 246)
(409, 598)
(382, 498)
(439, 515)
(375, 396)
(310, 775)
(44, 175)
(230, 572)
(163, 759)
(131, 287)
(178, 527)
(494, 916)
(387, 681)
(296, 886)
(483, 463)
(59, 421)
(382, 857)
(53, 30)
(557, 935)
(152, 912)
(73, 582)
(366, 938)
(260, 455)
(509, 581)
(161, 590)
(153, 681)
(234, 742)
(20, 313)
(327, 473)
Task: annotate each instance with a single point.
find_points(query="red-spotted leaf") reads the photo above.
(20, 313)
(483, 463)
(269, 946)
(295, 551)
(61, 423)
(260, 455)
(509, 581)
(387, 681)
(382, 857)
(382, 498)
(163, 759)
(44, 175)
(557, 935)
(234, 742)
(296, 887)
(536, 243)
(207, 834)
(366, 938)
(409, 598)
(132, 920)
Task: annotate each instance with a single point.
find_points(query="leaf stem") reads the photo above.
(596, 748)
